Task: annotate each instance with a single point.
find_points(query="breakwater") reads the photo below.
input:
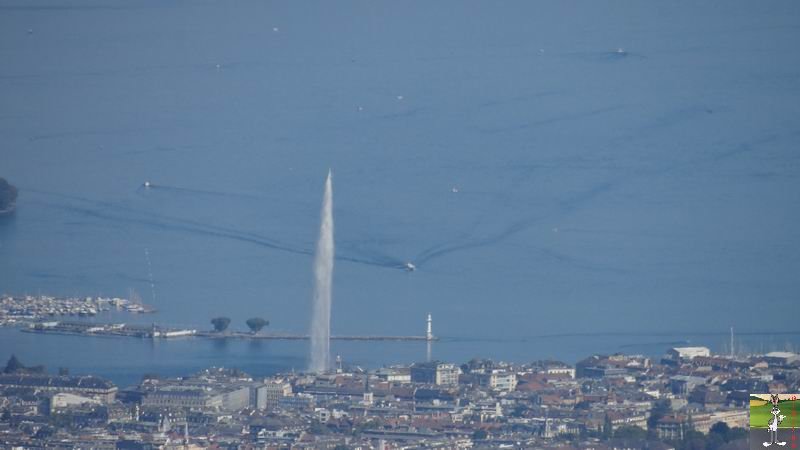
(162, 332)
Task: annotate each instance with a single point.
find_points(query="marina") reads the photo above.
(28, 309)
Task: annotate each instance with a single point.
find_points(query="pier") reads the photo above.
(108, 329)
(301, 337)
(88, 329)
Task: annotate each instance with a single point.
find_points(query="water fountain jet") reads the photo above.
(320, 332)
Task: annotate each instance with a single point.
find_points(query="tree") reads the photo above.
(8, 194)
(608, 428)
(693, 440)
(479, 435)
(737, 434)
(720, 428)
(317, 428)
(256, 324)
(13, 365)
(715, 441)
(45, 432)
(659, 410)
(220, 323)
(630, 432)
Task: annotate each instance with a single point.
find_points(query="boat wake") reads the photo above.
(122, 214)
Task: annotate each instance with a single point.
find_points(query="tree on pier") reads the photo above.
(8, 194)
(256, 324)
(13, 365)
(220, 323)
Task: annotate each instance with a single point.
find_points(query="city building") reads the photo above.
(226, 408)
(437, 373)
(672, 427)
(66, 400)
(782, 358)
(687, 353)
(498, 380)
(268, 394)
(557, 368)
(225, 398)
(684, 384)
(89, 386)
(394, 374)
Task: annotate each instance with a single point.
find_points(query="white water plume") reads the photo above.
(323, 280)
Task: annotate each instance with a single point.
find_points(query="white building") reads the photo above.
(435, 373)
(559, 369)
(394, 374)
(65, 400)
(269, 394)
(322, 414)
(782, 358)
(734, 418)
(498, 380)
(679, 353)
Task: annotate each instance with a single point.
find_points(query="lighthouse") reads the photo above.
(429, 332)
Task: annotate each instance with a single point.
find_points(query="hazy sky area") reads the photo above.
(619, 165)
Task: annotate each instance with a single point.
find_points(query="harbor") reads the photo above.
(29, 309)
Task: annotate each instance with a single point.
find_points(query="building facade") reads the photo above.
(440, 374)
(92, 387)
(267, 395)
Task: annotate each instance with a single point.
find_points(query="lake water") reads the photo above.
(551, 168)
